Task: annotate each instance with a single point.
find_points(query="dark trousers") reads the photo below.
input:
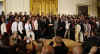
(5, 38)
(72, 35)
(36, 34)
(22, 35)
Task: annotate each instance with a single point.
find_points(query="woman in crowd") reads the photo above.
(28, 29)
(67, 24)
(77, 31)
(35, 26)
(87, 28)
(14, 26)
(20, 28)
(3, 27)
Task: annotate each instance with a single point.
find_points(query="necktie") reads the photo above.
(29, 27)
(17, 26)
(33, 25)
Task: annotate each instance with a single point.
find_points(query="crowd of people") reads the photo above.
(18, 30)
(77, 28)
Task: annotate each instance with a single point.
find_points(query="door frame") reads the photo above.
(81, 4)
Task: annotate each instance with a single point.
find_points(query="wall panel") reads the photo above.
(17, 6)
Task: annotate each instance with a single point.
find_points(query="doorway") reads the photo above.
(98, 11)
(83, 10)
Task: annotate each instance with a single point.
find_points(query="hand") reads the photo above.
(30, 30)
(21, 32)
(50, 24)
(19, 38)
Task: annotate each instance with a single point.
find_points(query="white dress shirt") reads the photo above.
(29, 32)
(20, 27)
(14, 27)
(67, 25)
(78, 28)
(36, 25)
(3, 28)
(87, 27)
(28, 27)
(97, 23)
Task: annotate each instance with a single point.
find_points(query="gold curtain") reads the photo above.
(44, 7)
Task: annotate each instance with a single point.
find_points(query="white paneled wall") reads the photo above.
(64, 6)
(17, 6)
(93, 8)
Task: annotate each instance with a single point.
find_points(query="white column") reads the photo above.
(92, 8)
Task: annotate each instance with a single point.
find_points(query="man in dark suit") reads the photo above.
(61, 27)
(51, 26)
(72, 30)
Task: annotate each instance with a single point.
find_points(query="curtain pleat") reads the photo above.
(44, 7)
